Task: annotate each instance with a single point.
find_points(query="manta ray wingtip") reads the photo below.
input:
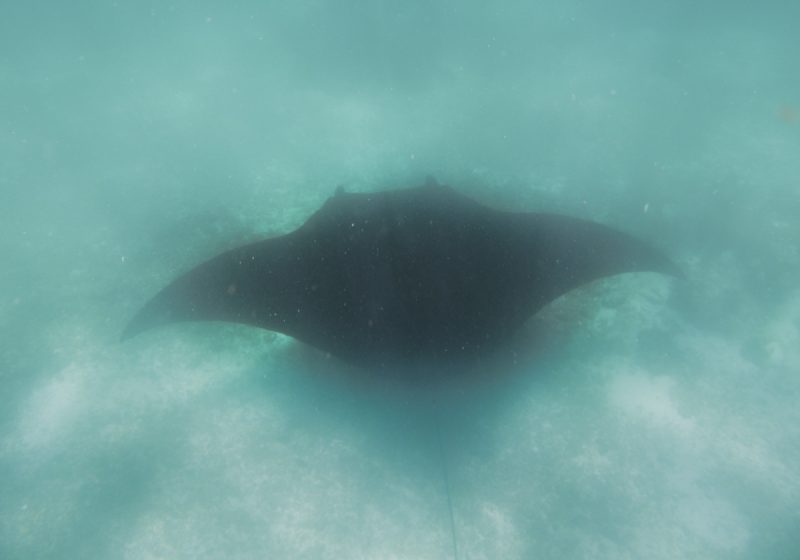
(430, 181)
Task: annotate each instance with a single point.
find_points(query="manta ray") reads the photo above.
(423, 275)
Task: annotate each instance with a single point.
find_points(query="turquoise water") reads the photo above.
(652, 418)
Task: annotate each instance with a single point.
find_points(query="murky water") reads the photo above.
(651, 418)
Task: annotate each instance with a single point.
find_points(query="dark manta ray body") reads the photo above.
(408, 277)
